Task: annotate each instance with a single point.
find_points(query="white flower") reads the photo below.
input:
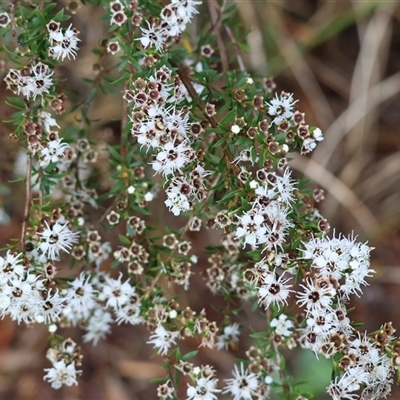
(129, 314)
(51, 308)
(243, 386)
(338, 391)
(204, 389)
(39, 83)
(98, 326)
(172, 158)
(153, 36)
(64, 44)
(315, 298)
(308, 145)
(235, 129)
(245, 155)
(11, 267)
(320, 322)
(340, 322)
(61, 374)
(163, 339)
(286, 186)
(53, 152)
(149, 196)
(185, 9)
(176, 201)
(116, 292)
(81, 296)
(251, 227)
(282, 325)
(47, 121)
(281, 108)
(273, 290)
(229, 336)
(55, 238)
(317, 133)
(253, 184)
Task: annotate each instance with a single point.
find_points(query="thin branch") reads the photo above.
(124, 119)
(28, 199)
(215, 19)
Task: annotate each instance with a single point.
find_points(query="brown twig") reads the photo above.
(215, 19)
(124, 119)
(28, 199)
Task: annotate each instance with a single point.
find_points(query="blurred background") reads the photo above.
(341, 60)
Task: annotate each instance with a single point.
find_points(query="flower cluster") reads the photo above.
(281, 108)
(63, 44)
(24, 295)
(267, 222)
(174, 18)
(364, 366)
(216, 143)
(160, 126)
(64, 358)
(32, 81)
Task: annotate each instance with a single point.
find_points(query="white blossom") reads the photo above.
(64, 45)
(243, 386)
(203, 390)
(163, 339)
(61, 374)
(54, 238)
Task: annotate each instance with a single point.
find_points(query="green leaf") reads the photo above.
(115, 155)
(91, 95)
(191, 354)
(259, 335)
(124, 240)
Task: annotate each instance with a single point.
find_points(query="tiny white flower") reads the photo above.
(243, 386)
(64, 45)
(131, 189)
(61, 374)
(317, 133)
(98, 326)
(39, 319)
(229, 336)
(204, 389)
(55, 238)
(152, 36)
(47, 121)
(274, 290)
(149, 196)
(282, 325)
(268, 380)
(235, 129)
(281, 107)
(163, 339)
(254, 184)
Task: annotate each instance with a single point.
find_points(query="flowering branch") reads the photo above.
(209, 144)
